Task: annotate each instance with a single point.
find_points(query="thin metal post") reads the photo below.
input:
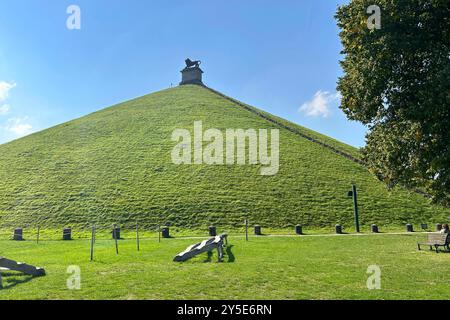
(355, 207)
(115, 239)
(137, 236)
(38, 231)
(246, 229)
(92, 242)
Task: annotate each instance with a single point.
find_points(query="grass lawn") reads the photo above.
(266, 267)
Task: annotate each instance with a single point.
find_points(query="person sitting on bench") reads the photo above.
(445, 228)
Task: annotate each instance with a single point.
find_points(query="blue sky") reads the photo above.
(280, 56)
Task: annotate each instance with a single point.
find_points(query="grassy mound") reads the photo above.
(115, 165)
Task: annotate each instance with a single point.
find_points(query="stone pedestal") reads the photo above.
(298, 229)
(212, 231)
(374, 228)
(191, 76)
(338, 229)
(258, 230)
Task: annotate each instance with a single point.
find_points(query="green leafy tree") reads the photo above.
(397, 82)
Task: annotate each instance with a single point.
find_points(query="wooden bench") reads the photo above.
(437, 240)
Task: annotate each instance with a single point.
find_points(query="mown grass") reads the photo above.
(266, 267)
(114, 166)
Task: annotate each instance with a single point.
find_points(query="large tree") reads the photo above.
(397, 82)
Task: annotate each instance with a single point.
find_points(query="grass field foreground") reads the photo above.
(266, 267)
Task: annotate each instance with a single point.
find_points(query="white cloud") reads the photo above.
(319, 106)
(4, 109)
(4, 93)
(19, 126)
(4, 89)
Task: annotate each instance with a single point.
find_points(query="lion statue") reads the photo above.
(191, 64)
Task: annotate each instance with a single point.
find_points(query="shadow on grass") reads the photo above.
(12, 279)
(228, 253)
(434, 251)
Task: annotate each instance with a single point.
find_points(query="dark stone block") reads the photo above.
(212, 231)
(165, 232)
(338, 228)
(298, 229)
(18, 234)
(191, 76)
(258, 230)
(374, 228)
(409, 228)
(116, 233)
(67, 234)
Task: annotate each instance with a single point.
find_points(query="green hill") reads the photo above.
(115, 165)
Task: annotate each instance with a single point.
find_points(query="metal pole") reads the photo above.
(38, 231)
(355, 207)
(137, 236)
(92, 242)
(159, 233)
(115, 238)
(246, 229)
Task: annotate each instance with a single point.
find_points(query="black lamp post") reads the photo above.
(354, 194)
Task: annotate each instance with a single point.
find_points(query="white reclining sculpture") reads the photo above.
(204, 246)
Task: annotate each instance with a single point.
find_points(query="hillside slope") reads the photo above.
(115, 165)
